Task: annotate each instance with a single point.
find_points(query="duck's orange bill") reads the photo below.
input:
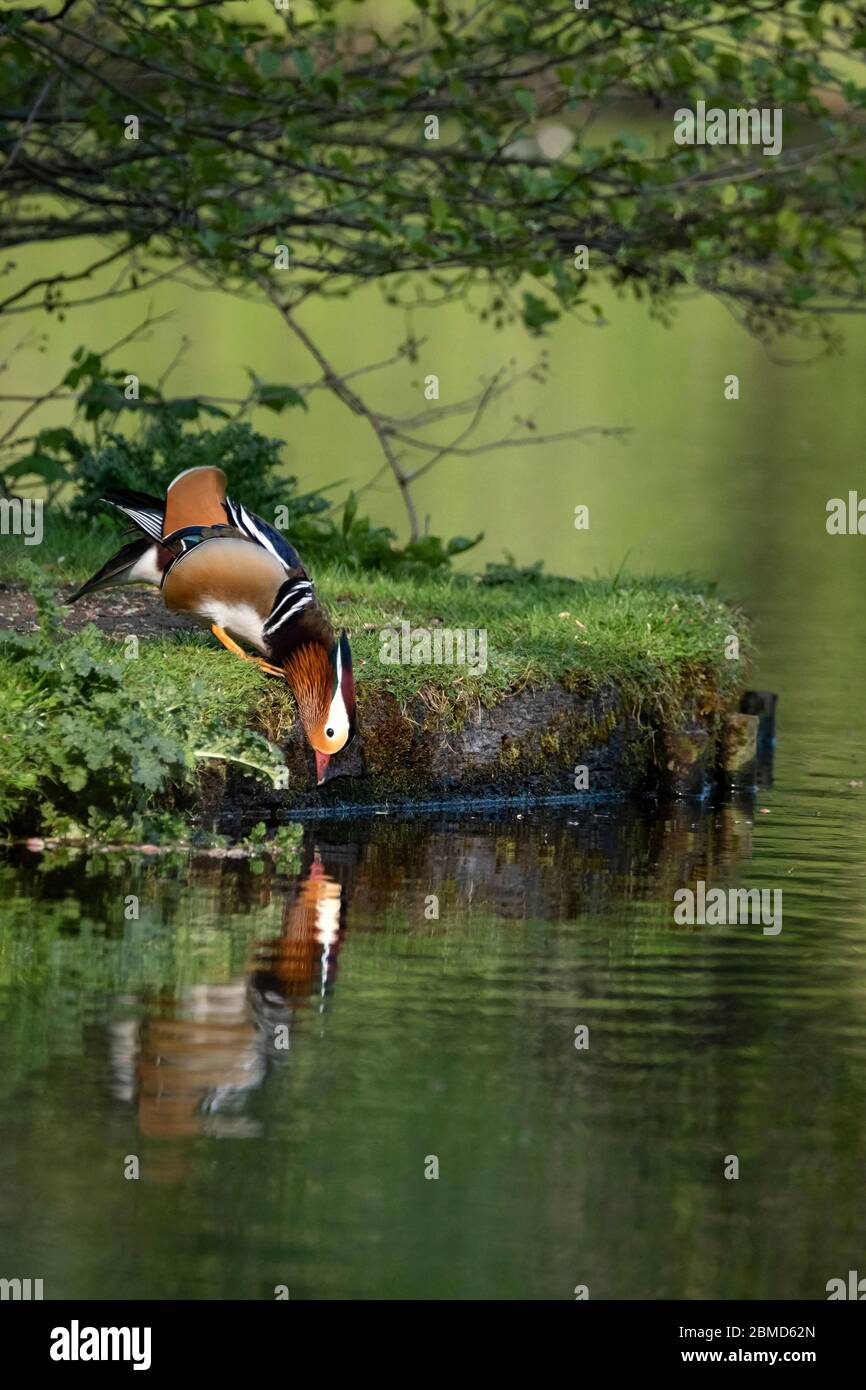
(322, 760)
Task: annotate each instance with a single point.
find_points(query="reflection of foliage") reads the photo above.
(594, 917)
(283, 845)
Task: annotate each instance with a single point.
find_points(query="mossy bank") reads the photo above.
(111, 727)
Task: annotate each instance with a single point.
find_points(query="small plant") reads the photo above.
(257, 836)
(509, 572)
(94, 460)
(164, 449)
(97, 736)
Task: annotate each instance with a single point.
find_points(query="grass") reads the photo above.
(644, 635)
(85, 730)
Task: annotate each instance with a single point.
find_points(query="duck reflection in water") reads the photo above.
(189, 1072)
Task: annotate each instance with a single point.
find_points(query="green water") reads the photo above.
(263, 1166)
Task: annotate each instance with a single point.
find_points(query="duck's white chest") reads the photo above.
(239, 619)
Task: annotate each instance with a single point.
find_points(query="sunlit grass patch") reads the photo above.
(93, 726)
(648, 636)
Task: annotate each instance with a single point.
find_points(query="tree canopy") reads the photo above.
(314, 128)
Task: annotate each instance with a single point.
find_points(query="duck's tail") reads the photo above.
(135, 563)
(138, 562)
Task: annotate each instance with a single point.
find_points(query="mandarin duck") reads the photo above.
(189, 1069)
(219, 562)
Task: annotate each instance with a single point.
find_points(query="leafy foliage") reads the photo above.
(509, 572)
(86, 735)
(150, 461)
(93, 460)
(308, 130)
(252, 464)
(100, 457)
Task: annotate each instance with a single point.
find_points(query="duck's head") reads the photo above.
(321, 678)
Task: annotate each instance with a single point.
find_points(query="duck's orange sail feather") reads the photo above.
(196, 498)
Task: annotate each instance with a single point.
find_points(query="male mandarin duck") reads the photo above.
(216, 560)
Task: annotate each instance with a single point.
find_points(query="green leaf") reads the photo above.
(304, 63)
(789, 223)
(332, 81)
(681, 67)
(799, 294)
(537, 313)
(210, 240)
(728, 66)
(277, 398)
(268, 62)
(183, 409)
(39, 466)
(438, 211)
(350, 511)
(59, 438)
(526, 99)
(459, 544)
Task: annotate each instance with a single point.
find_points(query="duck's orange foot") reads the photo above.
(231, 646)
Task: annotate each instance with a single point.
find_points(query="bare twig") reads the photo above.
(390, 429)
(382, 430)
(25, 129)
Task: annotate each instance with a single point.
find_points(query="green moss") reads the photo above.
(563, 741)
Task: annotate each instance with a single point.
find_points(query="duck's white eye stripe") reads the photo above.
(338, 719)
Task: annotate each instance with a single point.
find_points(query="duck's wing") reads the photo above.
(196, 497)
(225, 579)
(264, 534)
